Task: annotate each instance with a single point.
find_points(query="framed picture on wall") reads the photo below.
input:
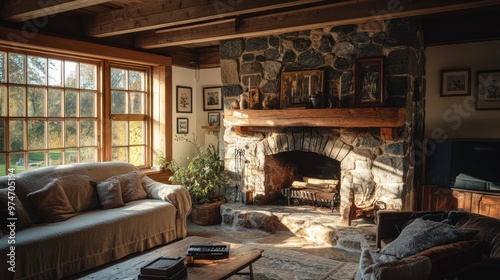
(182, 125)
(455, 82)
(369, 82)
(213, 119)
(297, 86)
(184, 99)
(488, 90)
(212, 98)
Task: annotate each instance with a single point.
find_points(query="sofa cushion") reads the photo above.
(109, 192)
(8, 200)
(424, 234)
(386, 267)
(452, 257)
(489, 230)
(51, 203)
(416, 268)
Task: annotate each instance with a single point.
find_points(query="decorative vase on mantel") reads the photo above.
(316, 101)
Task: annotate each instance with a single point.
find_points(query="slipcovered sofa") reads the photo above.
(70, 218)
(433, 245)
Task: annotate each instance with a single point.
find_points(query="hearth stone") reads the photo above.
(316, 224)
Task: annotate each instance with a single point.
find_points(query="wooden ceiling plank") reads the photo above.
(23, 10)
(309, 18)
(149, 40)
(161, 14)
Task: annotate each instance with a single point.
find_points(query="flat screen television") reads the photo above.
(463, 163)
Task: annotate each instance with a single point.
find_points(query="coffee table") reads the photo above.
(240, 257)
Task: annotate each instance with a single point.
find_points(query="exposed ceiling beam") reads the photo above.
(230, 22)
(308, 18)
(196, 34)
(22, 10)
(161, 14)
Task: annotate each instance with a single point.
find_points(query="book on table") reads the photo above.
(219, 251)
(176, 276)
(164, 268)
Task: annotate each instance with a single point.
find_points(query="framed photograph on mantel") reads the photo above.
(297, 86)
(488, 90)
(455, 82)
(369, 82)
(184, 99)
(212, 98)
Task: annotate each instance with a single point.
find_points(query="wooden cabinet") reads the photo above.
(444, 199)
(487, 205)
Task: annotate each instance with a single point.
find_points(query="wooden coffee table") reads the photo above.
(240, 257)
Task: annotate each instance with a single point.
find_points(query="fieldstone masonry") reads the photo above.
(376, 170)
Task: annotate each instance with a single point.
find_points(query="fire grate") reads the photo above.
(313, 191)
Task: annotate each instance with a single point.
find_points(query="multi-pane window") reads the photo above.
(129, 92)
(48, 111)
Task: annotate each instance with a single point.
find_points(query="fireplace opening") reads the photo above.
(287, 168)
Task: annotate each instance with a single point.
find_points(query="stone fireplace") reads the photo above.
(368, 149)
(369, 166)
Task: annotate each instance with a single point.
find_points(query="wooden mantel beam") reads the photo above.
(385, 118)
(388, 117)
(161, 14)
(339, 13)
(22, 10)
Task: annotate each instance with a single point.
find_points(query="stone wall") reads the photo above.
(374, 169)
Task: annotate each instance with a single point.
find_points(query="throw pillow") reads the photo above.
(424, 234)
(10, 199)
(131, 186)
(80, 192)
(51, 203)
(452, 257)
(109, 192)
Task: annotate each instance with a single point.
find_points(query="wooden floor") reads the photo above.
(241, 257)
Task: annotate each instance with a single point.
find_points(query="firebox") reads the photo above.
(283, 169)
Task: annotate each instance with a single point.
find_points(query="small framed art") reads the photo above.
(184, 99)
(212, 98)
(488, 90)
(182, 125)
(369, 82)
(298, 86)
(213, 119)
(455, 82)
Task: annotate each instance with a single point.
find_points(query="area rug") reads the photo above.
(280, 264)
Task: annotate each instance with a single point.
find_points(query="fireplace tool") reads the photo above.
(239, 166)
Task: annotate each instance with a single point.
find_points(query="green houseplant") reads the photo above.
(203, 177)
(161, 161)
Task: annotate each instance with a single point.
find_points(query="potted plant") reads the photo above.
(161, 161)
(203, 177)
